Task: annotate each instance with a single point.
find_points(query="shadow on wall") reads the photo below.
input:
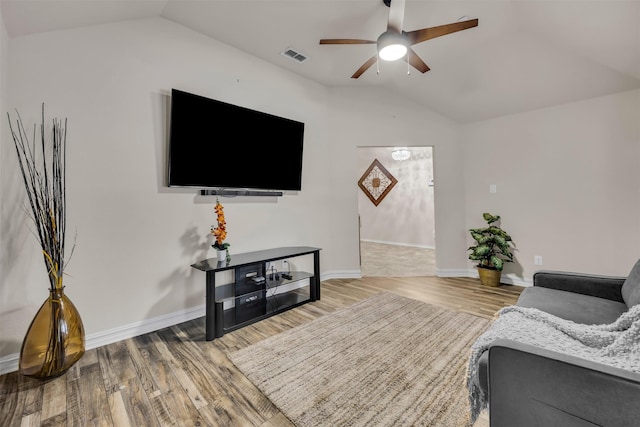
(9, 345)
(23, 278)
(161, 109)
(514, 268)
(185, 284)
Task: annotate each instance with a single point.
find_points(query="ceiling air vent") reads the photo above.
(292, 54)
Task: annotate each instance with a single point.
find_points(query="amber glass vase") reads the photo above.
(54, 340)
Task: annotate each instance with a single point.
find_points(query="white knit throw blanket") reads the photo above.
(616, 344)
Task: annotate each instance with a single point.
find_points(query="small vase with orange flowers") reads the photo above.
(220, 233)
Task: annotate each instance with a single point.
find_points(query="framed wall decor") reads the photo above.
(376, 182)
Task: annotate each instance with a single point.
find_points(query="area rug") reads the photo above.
(384, 361)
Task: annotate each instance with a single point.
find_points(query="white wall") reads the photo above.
(567, 177)
(136, 238)
(406, 215)
(568, 184)
(4, 41)
(388, 121)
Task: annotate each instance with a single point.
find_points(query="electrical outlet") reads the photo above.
(537, 260)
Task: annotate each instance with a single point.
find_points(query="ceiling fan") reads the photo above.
(395, 43)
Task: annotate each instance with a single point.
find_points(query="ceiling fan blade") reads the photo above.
(396, 16)
(416, 62)
(346, 41)
(365, 67)
(418, 36)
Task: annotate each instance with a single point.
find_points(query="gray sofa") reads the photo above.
(531, 386)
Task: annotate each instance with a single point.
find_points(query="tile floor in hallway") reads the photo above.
(382, 259)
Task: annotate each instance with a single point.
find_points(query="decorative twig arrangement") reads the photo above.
(45, 183)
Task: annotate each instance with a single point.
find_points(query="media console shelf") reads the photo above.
(245, 301)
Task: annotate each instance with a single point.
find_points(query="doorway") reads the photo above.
(397, 229)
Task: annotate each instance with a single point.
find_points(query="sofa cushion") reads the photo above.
(571, 306)
(631, 286)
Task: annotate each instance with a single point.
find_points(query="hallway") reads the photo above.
(380, 259)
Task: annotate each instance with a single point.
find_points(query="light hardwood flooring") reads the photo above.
(175, 377)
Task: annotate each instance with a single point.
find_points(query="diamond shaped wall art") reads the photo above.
(376, 182)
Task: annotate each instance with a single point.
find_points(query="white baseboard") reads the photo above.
(512, 279)
(342, 274)
(10, 362)
(452, 272)
(509, 279)
(143, 327)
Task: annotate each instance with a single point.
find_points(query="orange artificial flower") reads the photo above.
(220, 232)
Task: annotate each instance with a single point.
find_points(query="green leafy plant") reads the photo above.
(493, 245)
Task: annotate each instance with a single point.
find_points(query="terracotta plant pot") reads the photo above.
(489, 277)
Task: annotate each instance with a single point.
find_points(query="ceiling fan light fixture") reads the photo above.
(391, 46)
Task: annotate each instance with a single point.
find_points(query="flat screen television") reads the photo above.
(214, 144)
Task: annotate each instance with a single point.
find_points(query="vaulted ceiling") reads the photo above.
(523, 55)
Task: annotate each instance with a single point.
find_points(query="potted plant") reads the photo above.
(492, 249)
(220, 233)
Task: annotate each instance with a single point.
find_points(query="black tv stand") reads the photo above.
(246, 301)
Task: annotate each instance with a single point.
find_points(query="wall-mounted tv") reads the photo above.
(214, 144)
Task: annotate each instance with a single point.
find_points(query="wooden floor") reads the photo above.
(175, 377)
